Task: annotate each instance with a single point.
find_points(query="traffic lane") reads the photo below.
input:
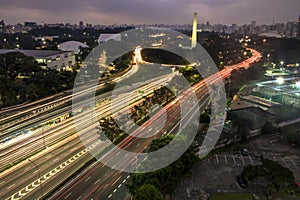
(80, 187)
(101, 179)
(71, 194)
(57, 179)
(79, 183)
(106, 106)
(28, 173)
(139, 146)
(59, 168)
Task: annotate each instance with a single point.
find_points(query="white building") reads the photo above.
(51, 59)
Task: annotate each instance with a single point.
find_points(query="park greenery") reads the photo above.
(161, 96)
(22, 79)
(138, 113)
(278, 178)
(162, 57)
(148, 191)
(277, 50)
(240, 78)
(165, 179)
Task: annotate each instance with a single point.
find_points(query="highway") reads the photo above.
(100, 183)
(16, 124)
(63, 129)
(34, 118)
(46, 137)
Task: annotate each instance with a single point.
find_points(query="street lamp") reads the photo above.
(280, 80)
(44, 137)
(39, 176)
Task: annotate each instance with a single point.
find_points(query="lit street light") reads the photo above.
(280, 80)
(39, 176)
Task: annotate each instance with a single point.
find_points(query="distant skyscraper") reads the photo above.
(30, 24)
(81, 26)
(298, 30)
(2, 26)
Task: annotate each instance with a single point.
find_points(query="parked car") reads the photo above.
(242, 181)
(245, 152)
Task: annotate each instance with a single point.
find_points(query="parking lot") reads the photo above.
(217, 174)
(240, 160)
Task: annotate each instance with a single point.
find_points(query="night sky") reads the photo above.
(149, 11)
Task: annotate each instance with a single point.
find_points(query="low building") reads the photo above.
(58, 60)
(245, 121)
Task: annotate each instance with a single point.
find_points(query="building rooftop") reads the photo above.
(252, 110)
(271, 35)
(288, 86)
(72, 46)
(105, 37)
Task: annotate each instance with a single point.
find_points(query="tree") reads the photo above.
(294, 138)
(268, 128)
(205, 118)
(148, 192)
(165, 179)
(279, 179)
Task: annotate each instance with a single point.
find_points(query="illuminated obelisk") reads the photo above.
(194, 33)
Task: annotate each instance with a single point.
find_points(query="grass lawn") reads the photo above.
(231, 196)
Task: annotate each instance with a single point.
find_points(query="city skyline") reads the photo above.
(154, 12)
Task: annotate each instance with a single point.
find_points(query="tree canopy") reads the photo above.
(148, 192)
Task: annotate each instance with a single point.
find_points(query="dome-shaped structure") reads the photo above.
(271, 35)
(72, 46)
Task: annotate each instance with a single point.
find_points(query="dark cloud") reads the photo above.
(148, 11)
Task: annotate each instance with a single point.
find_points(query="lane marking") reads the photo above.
(242, 159)
(217, 159)
(234, 161)
(78, 198)
(251, 160)
(87, 179)
(11, 186)
(285, 162)
(294, 164)
(97, 181)
(68, 195)
(116, 181)
(27, 169)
